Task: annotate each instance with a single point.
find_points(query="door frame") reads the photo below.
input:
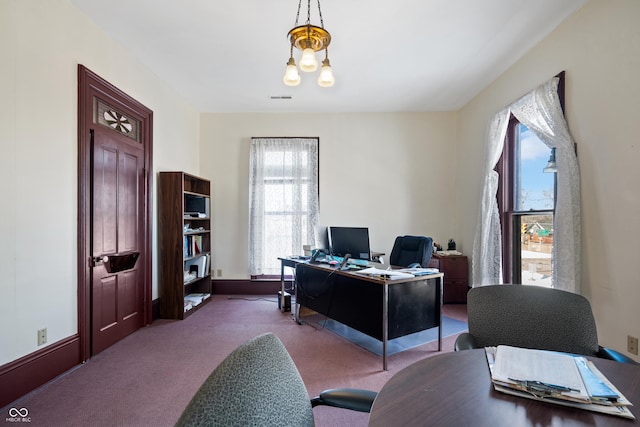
(90, 84)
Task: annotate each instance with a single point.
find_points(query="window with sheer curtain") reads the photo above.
(541, 112)
(283, 200)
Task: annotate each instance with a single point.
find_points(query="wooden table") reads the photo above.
(455, 389)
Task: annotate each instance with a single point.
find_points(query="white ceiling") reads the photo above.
(400, 55)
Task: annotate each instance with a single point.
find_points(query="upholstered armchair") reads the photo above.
(259, 384)
(532, 317)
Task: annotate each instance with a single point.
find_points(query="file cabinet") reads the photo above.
(456, 276)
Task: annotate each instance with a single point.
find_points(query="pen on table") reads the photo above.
(539, 384)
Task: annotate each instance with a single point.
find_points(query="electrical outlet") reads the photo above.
(42, 336)
(219, 272)
(632, 344)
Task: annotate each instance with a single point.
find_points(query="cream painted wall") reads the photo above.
(599, 48)
(393, 173)
(372, 166)
(41, 44)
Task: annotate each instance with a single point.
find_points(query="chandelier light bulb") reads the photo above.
(308, 62)
(326, 78)
(291, 76)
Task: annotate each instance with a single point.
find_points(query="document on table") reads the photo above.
(514, 366)
(555, 377)
(384, 274)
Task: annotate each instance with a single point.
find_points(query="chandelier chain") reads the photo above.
(309, 13)
(320, 13)
(298, 14)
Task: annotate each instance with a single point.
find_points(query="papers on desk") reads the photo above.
(418, 271)
(554, 377)
(445, 253)
(384, 274)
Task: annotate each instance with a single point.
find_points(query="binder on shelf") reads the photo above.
(554, 377)
(199, 264)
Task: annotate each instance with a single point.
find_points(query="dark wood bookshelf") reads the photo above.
(176, 228)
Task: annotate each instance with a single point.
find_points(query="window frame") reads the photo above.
(511, 218)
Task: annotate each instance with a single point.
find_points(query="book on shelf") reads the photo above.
(207, 264)
(197, 244)
(554, 377)
(192, 245)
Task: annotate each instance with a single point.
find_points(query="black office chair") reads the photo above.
(258, 384)
(411, 251)
(532, 317)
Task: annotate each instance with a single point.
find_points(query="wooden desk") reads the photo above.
(455, 389)
(383, 309)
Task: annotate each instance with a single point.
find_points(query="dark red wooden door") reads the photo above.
(117, 297)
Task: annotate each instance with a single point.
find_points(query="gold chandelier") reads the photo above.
(309, 39)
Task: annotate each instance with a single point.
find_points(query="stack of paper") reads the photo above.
(384, 274)
(418, 271)
(555, 377)
(196, 298)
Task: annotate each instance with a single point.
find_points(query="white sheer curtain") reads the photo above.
(541, 112)
(486, 262)
(283, 200)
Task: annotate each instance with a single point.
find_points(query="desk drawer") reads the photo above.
(455, 291)
(454, 267)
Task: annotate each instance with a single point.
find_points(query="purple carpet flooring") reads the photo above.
(149, 377)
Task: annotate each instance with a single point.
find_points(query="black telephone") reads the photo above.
(316, 255)
(343, 264)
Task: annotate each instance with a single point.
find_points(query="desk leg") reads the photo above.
(295, 307)
(385, 324)
(282, 286)
(440, 298)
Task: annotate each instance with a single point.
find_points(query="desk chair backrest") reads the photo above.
(409, 250)
(257, 384)
(531, 317)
